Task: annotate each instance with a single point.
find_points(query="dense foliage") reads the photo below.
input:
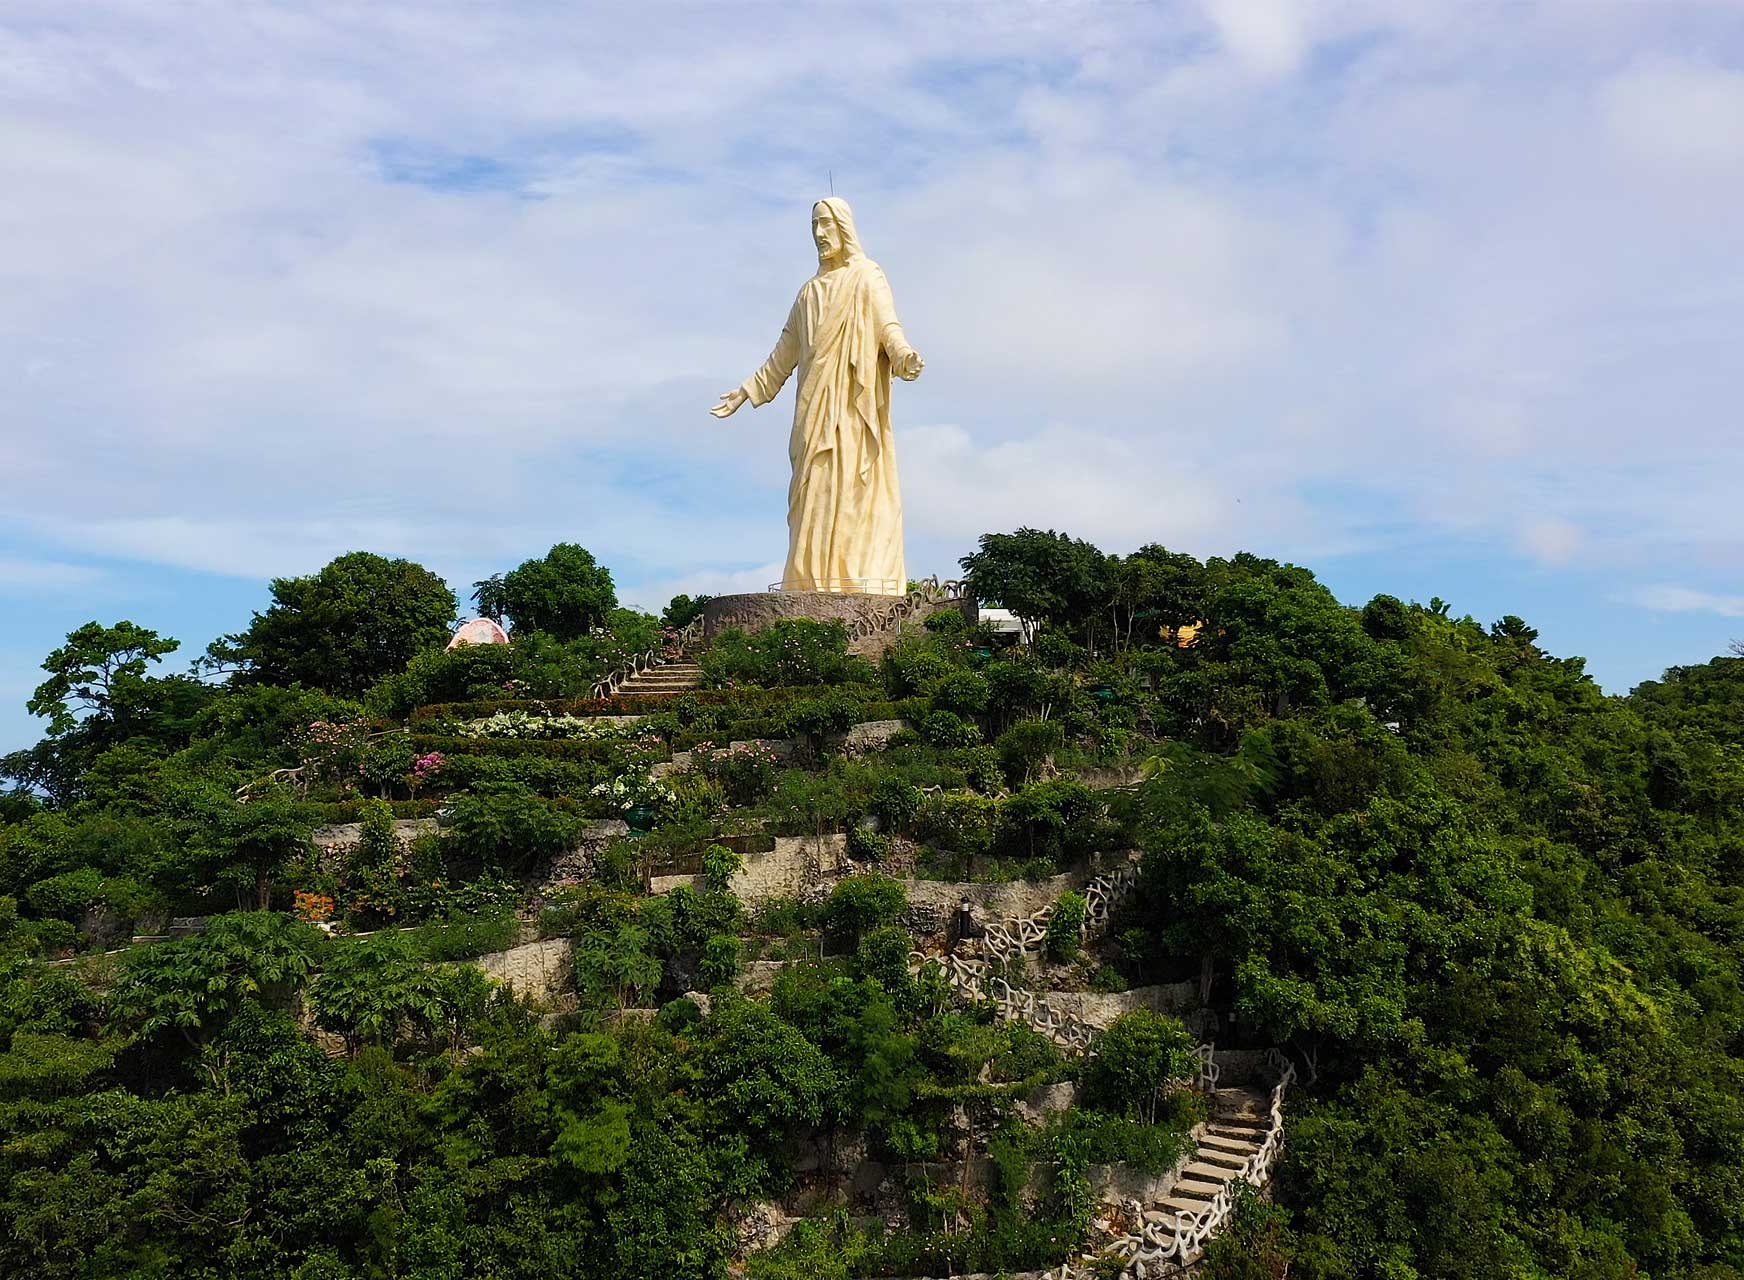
(1494, 917)
(565, 595)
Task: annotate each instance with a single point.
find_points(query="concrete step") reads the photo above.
(1243, 1146)
(1181, 1204)
(1237, 1124)
(1194, 1191)
(1240, 1102)
(1231, 1160)
(1199, 1171)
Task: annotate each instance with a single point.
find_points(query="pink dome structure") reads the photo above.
(479, 631)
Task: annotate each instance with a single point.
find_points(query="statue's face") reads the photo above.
(826, 234)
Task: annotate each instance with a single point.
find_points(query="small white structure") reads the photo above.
(1006, 623)
(479, 631)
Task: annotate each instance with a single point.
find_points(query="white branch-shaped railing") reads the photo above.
(648, 659)
(1154, 1246)
(972, 976)
(1178, 1241)
(927, 593)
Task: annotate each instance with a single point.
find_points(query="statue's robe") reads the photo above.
(844, 508)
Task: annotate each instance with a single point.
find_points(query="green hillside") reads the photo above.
(1490, 918)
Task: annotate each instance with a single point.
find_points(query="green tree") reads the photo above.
(193, 985)
(682, 610)
(1137, 1059)
(767, 1077)
(1044, 578)
(359, 619)
(565, 594)
(370, 990)
(101, 670)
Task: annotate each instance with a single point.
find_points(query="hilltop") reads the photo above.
(622, 949)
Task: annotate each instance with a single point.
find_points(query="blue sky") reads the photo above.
(1435, 298)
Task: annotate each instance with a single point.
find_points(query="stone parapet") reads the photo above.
(872, 620)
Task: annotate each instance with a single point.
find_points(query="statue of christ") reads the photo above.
(844, 508)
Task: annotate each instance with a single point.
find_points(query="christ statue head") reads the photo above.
(832, 230)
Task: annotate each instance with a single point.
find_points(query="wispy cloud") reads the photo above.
(43, 577)
(1664, 599)
(455, 282)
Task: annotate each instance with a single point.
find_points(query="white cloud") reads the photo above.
(1684, 115)
(42, 577)
(1668, 599)
(1551, 541)
(1213, 274)
(1269, 36)
(653, 596)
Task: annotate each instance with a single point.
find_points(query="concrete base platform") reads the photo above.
(872, 620)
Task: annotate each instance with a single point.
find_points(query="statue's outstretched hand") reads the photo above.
(910, 366)
(730, 402)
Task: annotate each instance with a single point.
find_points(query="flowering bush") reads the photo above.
(525, 724)
(312, 907)
(333, 753)
(438, 898)
(745, 770)
(634, 790)
(425, 769)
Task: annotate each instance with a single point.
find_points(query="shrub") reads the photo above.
(866, 845)
(784, 916)
(441, 675)
(793, 651)
(462, 937)
(911, 666)
(833, 712)
(720, 864)
(1136, 1059)
(1066, 926)
(895, 802)
(746, 772)
(67, 895)
(981, 768)
(883, 956)
(947, 729)
(962, 823)
(964, 692)
(511, 827)
(1058, 819)
(862, 902)
(1107, 980)
(678, 1016)
(720, 961)
(812, 804)
(1026, 745)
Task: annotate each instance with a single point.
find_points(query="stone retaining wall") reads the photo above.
(795, 865)
(538, 969)
(345, 833)
(757, 611)
(1099, 1008)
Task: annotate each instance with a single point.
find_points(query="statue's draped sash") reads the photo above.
(844, 506)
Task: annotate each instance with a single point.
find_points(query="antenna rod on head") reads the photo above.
(832, 174)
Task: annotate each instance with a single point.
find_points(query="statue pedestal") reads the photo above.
(873, 622)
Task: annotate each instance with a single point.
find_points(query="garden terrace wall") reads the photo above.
(331, 813)
(794, 865)
(552, 748)
(627, 704)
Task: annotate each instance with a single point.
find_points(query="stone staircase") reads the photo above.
(668, 677)
(1235, 1131)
